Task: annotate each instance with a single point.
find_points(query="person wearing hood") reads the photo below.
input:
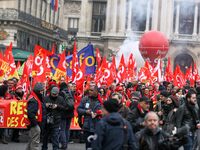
(54, 106)
(66, 115)
(113, 131)
(36, 115)
(90, 108)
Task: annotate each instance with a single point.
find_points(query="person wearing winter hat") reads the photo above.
(35, 115)
(113, 131)
(55, 104)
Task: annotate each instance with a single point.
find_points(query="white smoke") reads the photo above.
(130, 45)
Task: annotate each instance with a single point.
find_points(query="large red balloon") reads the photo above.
(153, 45)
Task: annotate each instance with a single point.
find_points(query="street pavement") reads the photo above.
(22, 146)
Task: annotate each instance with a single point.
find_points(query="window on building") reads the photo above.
(186, 19)
(184, 22)
(73, 24)
(140, 12)
(98, 17)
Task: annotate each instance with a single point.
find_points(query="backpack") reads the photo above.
(68, 101)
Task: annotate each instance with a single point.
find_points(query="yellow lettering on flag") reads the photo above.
(59, 73)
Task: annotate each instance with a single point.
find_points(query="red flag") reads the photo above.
(156, 74)
(39, 64)
(68, 53)
(74, 62)
(29, 64)
(131, 68)
(168, 72)
(98, 57)
(144, 75)
(80, 77)
(56, 5)
(18, 65)
(61, 68)
(195, 71)
(24, 81)
(121, 74)
(100, 71)
(53, 49)
(8, 57)
(113, 67)
(189, 76)
(179, 78)
(109, 75)
(1, 55)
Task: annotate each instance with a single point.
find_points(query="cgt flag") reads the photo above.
(86, 53)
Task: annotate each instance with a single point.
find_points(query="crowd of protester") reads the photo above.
(129, 115)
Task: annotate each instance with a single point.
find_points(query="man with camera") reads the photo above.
(153, 138)
(187, 115)
(54, 106)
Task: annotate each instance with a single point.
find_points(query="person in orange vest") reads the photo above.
(36, 115)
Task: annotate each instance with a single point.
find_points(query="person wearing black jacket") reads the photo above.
(153, 138)
(54, 105)
(113, 132)
(36, 114)
(187, 115)
(66, 115)
(136, 116)
(89, 108)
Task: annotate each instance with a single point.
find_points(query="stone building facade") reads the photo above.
(107, 23)
(29, 22)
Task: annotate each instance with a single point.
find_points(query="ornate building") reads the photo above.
(30, 22)
(107, 23)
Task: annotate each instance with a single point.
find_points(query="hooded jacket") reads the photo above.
(110, 133)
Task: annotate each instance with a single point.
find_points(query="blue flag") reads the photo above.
(86, 53)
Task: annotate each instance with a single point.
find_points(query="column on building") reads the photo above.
(89, 17)
(155, 14)
(170, 18)
(177, 17)
(82, 23)
(47, 11)
(129, 16)
(108, 16)
(38, 8)
(33, 7)
(59, 15)
(148, 15)
(114, 16)
(195, 19)
(27, 6)
(122, 16)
